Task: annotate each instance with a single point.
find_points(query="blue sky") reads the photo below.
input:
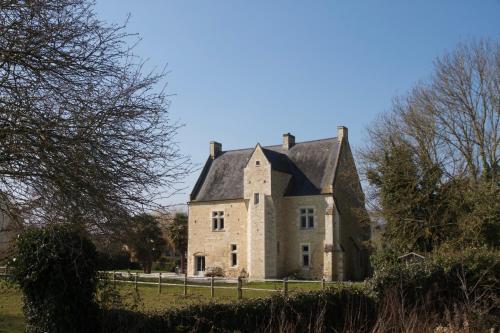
(244, 72)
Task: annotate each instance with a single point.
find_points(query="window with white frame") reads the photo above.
(217, 220)
(306, 218)
(305, 255)
(234, 255)
(256, 198)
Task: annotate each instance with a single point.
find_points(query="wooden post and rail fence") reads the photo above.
(185, 283)
(213, 284)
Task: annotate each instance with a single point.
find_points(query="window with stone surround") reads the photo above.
(256, 198)
(217, 220)
(305, 255)
(306, 218)
(234, 255)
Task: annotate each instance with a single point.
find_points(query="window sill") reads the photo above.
(305, 229)
(216, 230)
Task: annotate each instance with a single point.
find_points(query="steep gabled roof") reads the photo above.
(311, 165)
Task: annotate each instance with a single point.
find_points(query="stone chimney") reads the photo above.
(341, 133)
(215, 149)
(288, 141)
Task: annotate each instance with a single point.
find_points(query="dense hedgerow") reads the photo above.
(55, 269)
(469, 278)
(446, 274)
(330, 310)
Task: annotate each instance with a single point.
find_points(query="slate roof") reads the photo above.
(311, 164)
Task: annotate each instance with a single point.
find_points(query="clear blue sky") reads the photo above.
(248, 71)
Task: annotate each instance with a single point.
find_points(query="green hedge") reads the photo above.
(55, 269)
(443, 279)
(329, 310)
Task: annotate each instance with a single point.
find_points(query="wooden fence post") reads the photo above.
(185, 283)
(212, 291)
(159, 283)
(285, 287)
(240, 291)
(136, 277)
(323, 284)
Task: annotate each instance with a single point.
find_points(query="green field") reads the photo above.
(147, 298)
(11, 315)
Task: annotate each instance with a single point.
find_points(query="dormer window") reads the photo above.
(257, 163)
(218, 221)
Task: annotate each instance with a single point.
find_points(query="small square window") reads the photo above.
(257, 163)
(233, 247)
(256, 198)
(305, 248)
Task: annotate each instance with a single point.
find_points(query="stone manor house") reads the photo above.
(270, 212)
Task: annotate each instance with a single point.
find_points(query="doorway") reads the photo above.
(200, 265)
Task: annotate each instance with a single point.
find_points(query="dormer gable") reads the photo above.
(258, 158)
(257, 174)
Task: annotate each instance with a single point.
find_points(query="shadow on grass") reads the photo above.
(12, 323)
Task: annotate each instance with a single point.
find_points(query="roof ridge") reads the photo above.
(297, 143)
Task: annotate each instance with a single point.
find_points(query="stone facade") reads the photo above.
(267, 233)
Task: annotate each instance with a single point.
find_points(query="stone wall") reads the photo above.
(260, 222)
(355, 228)
(295, 236)
(216, 245)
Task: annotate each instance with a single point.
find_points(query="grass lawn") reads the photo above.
(11, 314)
(147, 297)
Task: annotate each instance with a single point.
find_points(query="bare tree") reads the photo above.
(449, 124)
(453, 119)
(85, 135)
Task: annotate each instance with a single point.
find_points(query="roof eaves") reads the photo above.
(201, 179)
(337, 159)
